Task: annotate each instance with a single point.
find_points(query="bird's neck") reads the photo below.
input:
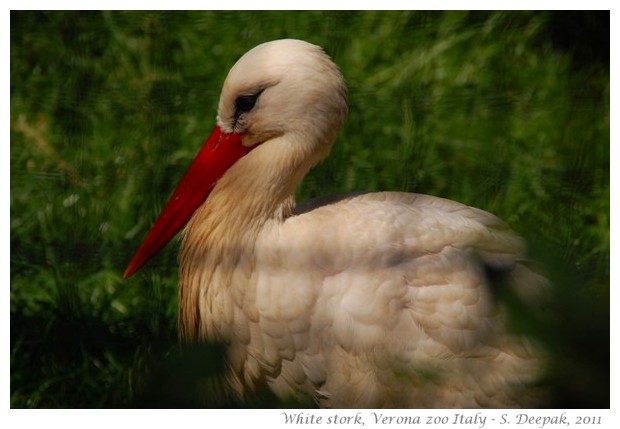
(217, 252)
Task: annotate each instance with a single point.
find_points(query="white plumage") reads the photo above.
(369, 300)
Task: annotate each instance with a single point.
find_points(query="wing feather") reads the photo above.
(356, 292)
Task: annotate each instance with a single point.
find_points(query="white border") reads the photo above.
(273, 418)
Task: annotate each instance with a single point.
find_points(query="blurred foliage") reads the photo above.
(506, 111)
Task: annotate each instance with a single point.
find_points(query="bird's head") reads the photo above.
(285, 102)
(285, 87)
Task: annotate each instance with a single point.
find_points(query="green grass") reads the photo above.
(506, 111)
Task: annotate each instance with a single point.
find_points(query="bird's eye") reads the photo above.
(245, 103)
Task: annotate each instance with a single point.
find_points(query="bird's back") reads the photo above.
(387, 300)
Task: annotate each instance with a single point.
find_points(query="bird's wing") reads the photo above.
(390, 281)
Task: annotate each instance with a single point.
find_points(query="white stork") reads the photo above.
(369, 300)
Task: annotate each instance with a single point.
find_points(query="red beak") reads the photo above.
(218, 154)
